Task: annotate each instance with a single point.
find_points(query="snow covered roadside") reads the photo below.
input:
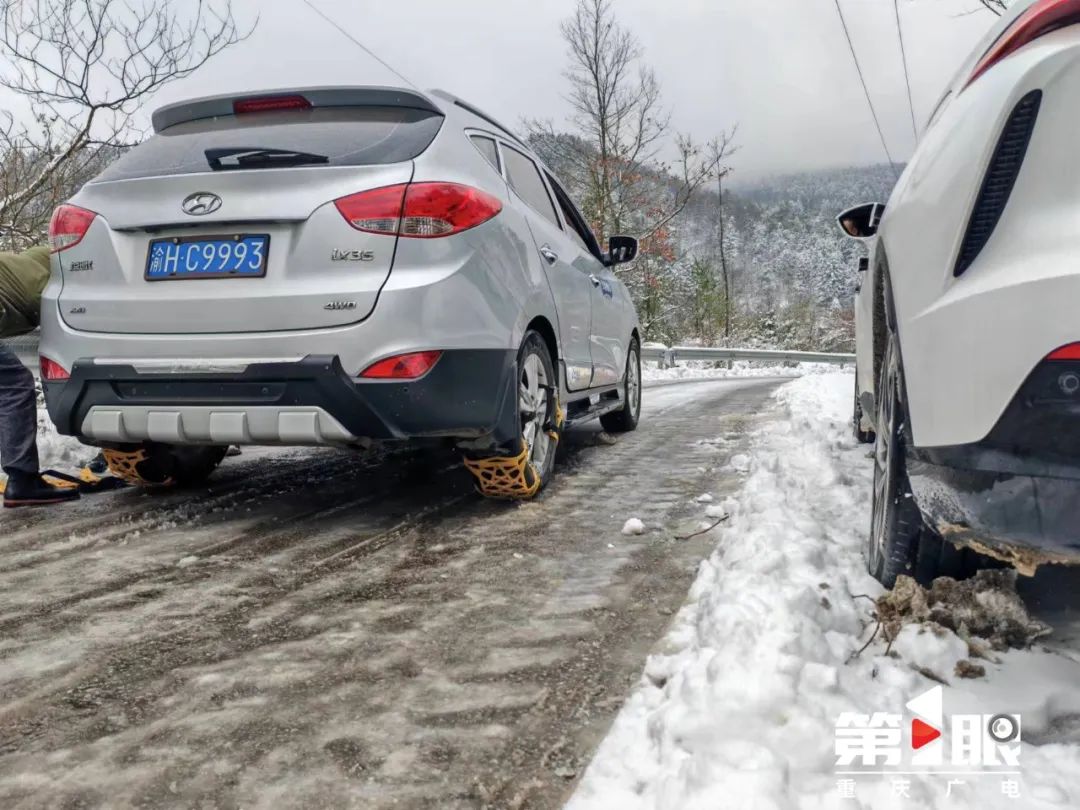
(738, 707)
(706, 370)
(62, 453)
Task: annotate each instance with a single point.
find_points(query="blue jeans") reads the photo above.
(18, 416)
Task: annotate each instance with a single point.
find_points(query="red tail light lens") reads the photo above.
(51, 371)
(270, 104)
(1070, 352)
(68, 226)
(377, 211)
(442, 209)
(419, 210)
(403, 366)
(1040, 19)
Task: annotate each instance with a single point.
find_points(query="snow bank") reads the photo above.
(706, 370)
(738, 707)
(58, 452)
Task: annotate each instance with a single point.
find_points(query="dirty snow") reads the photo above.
(738, 705)
(708, 369)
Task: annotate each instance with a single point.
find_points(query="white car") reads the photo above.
(967, 321)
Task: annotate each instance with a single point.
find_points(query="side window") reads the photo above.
(578, 229)
(487, 149)
(525, 179)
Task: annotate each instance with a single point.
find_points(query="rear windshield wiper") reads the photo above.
(247, 157)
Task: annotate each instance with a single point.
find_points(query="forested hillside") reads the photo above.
(791, 273)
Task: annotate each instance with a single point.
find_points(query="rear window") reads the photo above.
(347, 136)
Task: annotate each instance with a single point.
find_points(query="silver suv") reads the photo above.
(333, 266)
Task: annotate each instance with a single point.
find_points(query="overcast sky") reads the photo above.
(780, 69)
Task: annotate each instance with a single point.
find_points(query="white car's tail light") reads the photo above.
(68, 226)
(1040, 19)
(419, 210)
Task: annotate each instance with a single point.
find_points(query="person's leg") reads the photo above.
(18, 417)
(18, 439)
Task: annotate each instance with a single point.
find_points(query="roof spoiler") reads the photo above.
(215, 106)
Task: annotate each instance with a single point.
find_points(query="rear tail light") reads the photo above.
(1040, 19)
(270, 104)
(419, 210)
(51, 371)
(1070, 352)
(402, 366)
(68, 226)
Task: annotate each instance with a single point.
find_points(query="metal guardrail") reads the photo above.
(668, 356)
(26, 347)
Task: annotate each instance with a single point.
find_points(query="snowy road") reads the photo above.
(320, 629)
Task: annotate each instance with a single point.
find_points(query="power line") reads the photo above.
(358, 43)
(907, 77)
(866, 91)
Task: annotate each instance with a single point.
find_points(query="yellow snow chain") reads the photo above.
(560, 420)
(511, 477)
(125, 466)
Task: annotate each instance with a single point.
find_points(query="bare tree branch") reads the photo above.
(85, 68)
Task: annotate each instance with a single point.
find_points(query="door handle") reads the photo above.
(549, 255)
(594, 279)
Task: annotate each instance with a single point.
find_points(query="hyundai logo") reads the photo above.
(201, 203)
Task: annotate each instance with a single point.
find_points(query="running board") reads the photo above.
(595, 412)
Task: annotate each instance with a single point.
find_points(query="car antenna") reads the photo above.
(866, 91)
(358, 43)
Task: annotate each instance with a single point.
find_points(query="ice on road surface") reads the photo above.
(738, 705)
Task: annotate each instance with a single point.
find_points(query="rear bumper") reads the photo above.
(469, 394)
(1016, 493)
(1027, 520)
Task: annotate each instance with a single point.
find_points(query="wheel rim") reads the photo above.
(633, 383)
(534, 399)
(883, 467)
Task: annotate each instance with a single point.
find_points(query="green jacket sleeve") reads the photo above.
(23, 277)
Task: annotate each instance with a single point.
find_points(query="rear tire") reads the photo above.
(538, 404)
(626, 418)
(164, 465)
(896, 525)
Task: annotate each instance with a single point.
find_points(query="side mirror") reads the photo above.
(861, 222)
(621, 249)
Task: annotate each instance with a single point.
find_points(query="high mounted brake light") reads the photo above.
(68, 226)
(1043, 17)
(419, 210)
(270, 104)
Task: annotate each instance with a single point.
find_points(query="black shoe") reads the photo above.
(99, 466)
(33, 490)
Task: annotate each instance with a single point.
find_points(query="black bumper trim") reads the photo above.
(469, 394)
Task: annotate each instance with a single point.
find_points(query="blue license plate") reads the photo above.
(239, 256)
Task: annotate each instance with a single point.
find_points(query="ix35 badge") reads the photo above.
(352, 256)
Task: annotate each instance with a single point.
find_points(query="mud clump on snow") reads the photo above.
(984, 610)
